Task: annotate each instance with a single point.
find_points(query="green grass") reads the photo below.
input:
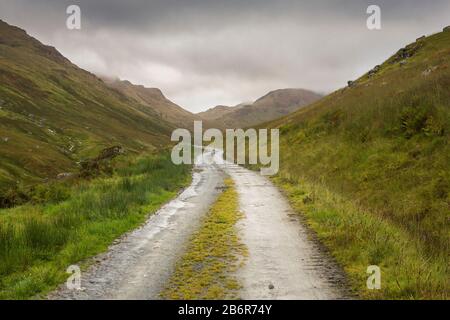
(383, 148)
(206, 269)
(38, 242)
(55, 114)
(359, 239)
(372, 163)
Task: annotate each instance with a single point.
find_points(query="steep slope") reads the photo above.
(154, 101)
(382, 146)
(52, 113)
(273, 105)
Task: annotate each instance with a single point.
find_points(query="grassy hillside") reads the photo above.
(272, 106)
(382, 147)
(53, 114)
(153, 100)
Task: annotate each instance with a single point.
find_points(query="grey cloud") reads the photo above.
(202, 53)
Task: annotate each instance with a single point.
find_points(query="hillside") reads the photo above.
(153, 101)
(218, 112)
(272, 106)
(381, 146)
(54, 114)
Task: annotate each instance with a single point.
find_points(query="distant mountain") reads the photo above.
(153, 100)
(216, 113)
(53, 114)
(272, 106)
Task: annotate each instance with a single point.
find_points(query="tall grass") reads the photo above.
(358, 239)
(383, 148)
(384, 144)
(38, 242)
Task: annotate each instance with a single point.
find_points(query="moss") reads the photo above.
(215, 251)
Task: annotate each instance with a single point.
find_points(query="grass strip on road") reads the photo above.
(214, 252)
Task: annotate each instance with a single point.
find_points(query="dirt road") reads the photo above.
(283, 262)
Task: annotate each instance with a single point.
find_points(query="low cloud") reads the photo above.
(203, 53)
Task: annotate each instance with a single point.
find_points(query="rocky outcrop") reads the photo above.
(428, 71)
(420, 38)
(374, 71)
(110, 153)
(93, 167)
(64, 175)
(407, 52)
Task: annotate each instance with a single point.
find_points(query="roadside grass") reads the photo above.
(213, 253)
(359, 239)
(376, 157)
(38, 242)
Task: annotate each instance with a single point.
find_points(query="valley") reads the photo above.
(266, 255)
(87, 179)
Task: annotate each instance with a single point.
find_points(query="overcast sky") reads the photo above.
(202, 53)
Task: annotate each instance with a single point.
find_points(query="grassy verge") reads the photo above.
(375, 158)
(214, 252)
(38, 242)
(358, 239)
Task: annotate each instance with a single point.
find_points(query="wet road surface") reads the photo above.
(283, 262)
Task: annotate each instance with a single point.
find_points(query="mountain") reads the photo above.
(54, 114)
(273, 105)
(153, 100)
(217, 112)
(383, 144)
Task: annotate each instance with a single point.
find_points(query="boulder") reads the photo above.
(64, 175)
(91, 167)
(407, 52)
(110, 153)
(374, 71)
(428, 71)
(421, 38)
(403, 53)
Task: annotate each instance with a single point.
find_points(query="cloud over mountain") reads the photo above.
(203, 53)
